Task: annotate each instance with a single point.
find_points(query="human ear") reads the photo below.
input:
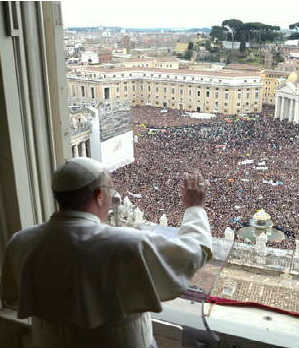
(99, 196)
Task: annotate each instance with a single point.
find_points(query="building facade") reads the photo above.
(227, 92)
(181, 48)
(289, 66)
(271, 80)
(89, 57)
(80, 132)
(159, 63)
(103, 132)
(105, 56)
(287, 100)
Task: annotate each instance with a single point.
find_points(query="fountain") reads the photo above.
(261, 223)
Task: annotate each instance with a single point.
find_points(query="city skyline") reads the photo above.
(169, 14)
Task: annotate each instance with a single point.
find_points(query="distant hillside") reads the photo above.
(149, 30)
(94, 29)
(203, 30)
(171, 30)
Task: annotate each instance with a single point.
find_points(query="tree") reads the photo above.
(208, 45)
(251, 32)
(237, 30)
(234, 26)
(269, 32)
(294, 26)
(294, 36)
(190, 45)
(218, 33)
(188, 54)
(257, 32)
(278, 58)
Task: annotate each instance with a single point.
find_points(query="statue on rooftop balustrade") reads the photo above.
(138, 216)
(127, 206)
(163, 220)
(260, 245)
(297, 249)
(229, 233)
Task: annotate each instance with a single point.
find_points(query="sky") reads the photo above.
(177, 13)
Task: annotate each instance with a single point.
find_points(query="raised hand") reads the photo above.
(195, 187)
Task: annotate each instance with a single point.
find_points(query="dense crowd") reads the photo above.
(250, 163)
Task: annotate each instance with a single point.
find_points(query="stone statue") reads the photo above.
(128, 206)
(261, 248)
(260, 245)
(163, 220)
(297, 249)
(286, 274)
(138, 216)
(130, 219)
(229, 234)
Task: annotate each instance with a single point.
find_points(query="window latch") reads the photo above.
(11, 16)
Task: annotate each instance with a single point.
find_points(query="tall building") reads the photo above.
(126, 42)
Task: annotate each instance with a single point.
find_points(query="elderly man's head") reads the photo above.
(83, 184)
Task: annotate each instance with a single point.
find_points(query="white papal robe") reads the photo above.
(85, 283)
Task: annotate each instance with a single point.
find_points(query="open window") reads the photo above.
(34, 132)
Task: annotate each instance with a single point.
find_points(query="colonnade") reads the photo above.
(287, 108)
(81, 149)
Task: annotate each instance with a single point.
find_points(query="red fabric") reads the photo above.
(225, 301)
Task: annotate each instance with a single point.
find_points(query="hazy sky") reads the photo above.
(177, 13)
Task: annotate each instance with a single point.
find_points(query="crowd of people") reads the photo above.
(251, 163)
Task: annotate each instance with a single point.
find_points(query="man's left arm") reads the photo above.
(173, 261)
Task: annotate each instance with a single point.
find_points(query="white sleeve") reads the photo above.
(172, 262)
(196, 226)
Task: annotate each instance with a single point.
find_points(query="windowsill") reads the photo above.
(249, 323)
(11, 315)
(14, 332)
